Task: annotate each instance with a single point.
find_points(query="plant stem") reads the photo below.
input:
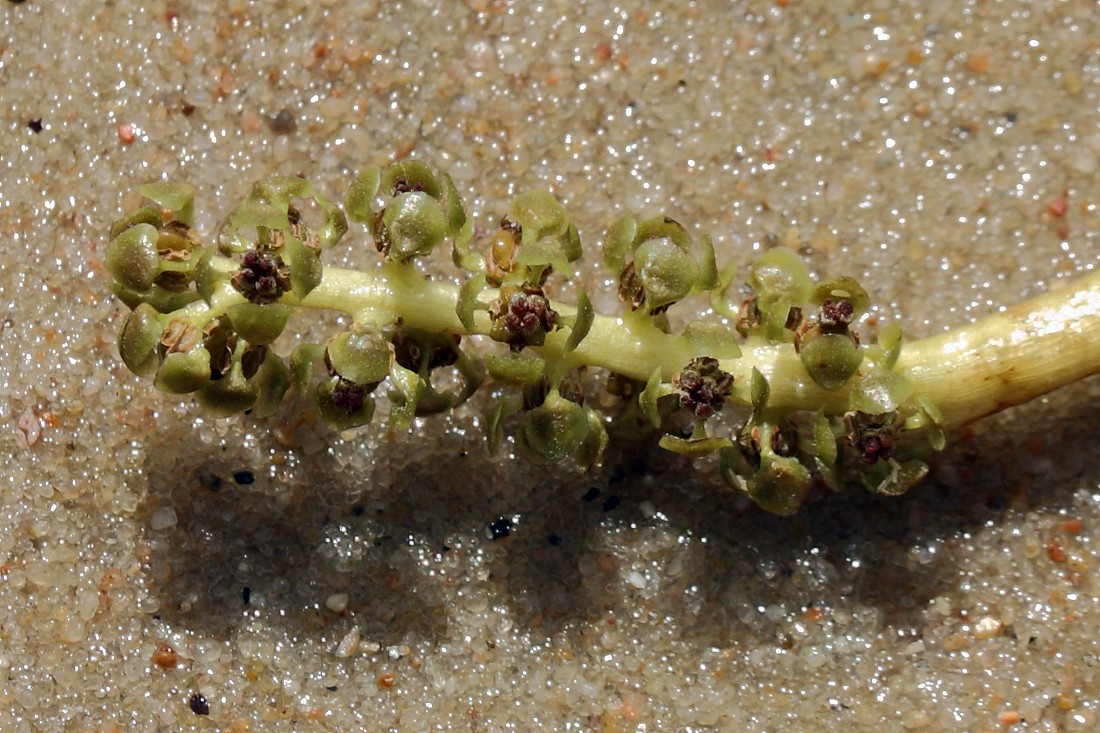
(1001, 360)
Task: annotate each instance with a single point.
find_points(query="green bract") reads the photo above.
(409, 210)
(831, 358)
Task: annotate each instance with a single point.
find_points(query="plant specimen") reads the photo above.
(820, 404)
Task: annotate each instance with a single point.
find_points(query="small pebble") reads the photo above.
(283, 123)
(163, 517)
(337, 602)
(199, 705)
(499, 529)
(165, 656)
(349, 645)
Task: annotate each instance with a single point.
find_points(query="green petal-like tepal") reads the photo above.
(132, 257)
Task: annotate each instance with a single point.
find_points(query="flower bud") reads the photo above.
(183, 372)
(138, 339)
(410, 211)
(662, 274)
(259, 324)
(132, 257)
(553, 431)
(359, 356)
(344, 405)
(412, 225)
(831, 359)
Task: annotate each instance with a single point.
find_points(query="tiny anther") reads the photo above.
(703, 387)
(262, 278)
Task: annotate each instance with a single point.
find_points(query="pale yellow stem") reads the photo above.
(1002, 360)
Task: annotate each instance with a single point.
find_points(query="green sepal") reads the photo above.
(582, 322)
(891, 478)
(878, 391)
(758, 393)
(279, 190)
(415, 173)
(359, 200)
(708, 268)
(273, 380)
(164, 301)
(359, 356)
(831, 359)
(712, 337)
(453, 211)
(663, 227)
(666, 270)
(823, 450)
(473, 374)
(654, 390)
(302, 362)
(178, 198)
(778, 485)
(779, 276)
(889, 341)
(509, 404)
(617, 243)
(259, 324)
(183, 372)
(719, 303)
(207, 277)
(512, 368)
(405, 398)
(535, 258)
(694, 447)
(132, 257)
(145, 215)
(781, 485)
(463, 257)
(249, 214)
(334, 224)
(927, 420)
(138, 339)
(590, 451)
(338, 417)
(540, 216)
(843, 288)
(230, 395)
(306, 268)
(467, 301)
(553, 431)
(413, 225)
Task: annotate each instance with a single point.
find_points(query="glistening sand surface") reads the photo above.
(925, 147)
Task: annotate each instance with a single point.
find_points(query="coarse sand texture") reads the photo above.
(165, 570)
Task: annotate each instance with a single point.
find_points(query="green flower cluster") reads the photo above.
(813, 404)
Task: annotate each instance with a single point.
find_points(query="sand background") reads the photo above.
(945, 152)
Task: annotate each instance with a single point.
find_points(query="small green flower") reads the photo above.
(558, 429)
(522, 316)
(764, 463)
(781, 284)
(662, 271)
(153, 260)
(410, 211)
(827, 345)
